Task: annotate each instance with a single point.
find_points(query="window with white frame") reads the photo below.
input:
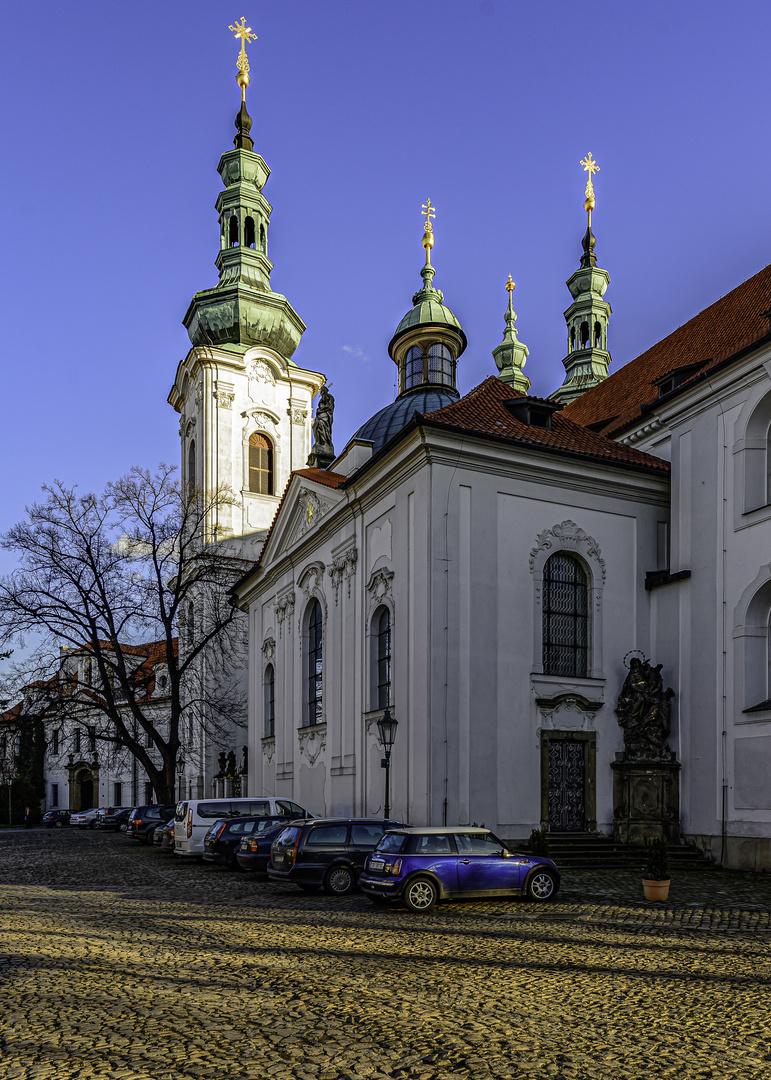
(269, 699)
(382, 657)
(565, 617)
(314, 665)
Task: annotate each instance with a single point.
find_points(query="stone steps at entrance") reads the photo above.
(589, 851)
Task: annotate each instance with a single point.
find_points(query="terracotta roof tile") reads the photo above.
(482, 411)
(732, 323)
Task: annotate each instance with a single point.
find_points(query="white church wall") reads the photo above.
(721, 532)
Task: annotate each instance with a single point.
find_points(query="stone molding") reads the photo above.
(313, 740)
(283, 609)
(343, 567)
(268, 747)
(566, 536)
(269, 649)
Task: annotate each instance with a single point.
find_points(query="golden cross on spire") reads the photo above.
(428, 212)
(590, 166)
(241, 30)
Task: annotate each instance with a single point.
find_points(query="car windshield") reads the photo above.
(392, 843)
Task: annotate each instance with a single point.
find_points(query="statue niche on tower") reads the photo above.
(646, 774)
(323, 452)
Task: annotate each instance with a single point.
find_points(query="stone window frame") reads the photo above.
(569, 538)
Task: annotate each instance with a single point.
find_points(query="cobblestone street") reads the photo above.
(117, 961)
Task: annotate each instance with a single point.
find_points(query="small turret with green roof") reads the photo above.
(511, 355)
(429, 339)
(242, 310)
(588, 359)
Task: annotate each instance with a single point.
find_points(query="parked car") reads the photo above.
(326, 853)
(144, 820)
(56, 819)
(224, 838)
(194, 817)
(253, 853)
(113, 817)
(423, 866)
(84, 819)
(163, 836)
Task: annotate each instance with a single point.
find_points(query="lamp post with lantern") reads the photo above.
(387, 726)
(180, 771)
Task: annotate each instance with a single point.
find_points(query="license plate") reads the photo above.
(278, 857)
(376, 864)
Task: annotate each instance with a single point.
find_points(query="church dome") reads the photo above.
(382, 427)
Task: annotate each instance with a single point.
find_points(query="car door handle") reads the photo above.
(465, 861)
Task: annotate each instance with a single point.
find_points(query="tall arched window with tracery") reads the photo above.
(314, 665)
(269, 701)
(565, 617)
(191, 467)
(383, 657)
(260, 464)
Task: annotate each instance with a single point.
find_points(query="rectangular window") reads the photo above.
(117, 794)
(92, 739)
(55, 741)
(77, 740)
(54, 794)
(315, 713)
(148, 792)
(148, 740)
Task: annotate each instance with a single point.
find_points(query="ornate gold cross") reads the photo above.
(589, 164)
(241, 30)
(430, 212)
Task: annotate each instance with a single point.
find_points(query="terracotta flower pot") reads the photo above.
(655, 890)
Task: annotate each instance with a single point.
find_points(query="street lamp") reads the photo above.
(180, 771)
(387, 725)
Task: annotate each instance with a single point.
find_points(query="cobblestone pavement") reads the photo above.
(120, 961)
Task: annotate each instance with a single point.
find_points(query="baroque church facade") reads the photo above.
(490, 567)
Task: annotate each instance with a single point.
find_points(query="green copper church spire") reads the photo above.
(242, 310)
(511, 355)
(588, 359)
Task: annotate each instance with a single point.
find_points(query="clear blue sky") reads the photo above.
(114, 116)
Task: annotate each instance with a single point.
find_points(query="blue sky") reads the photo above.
(113, 117)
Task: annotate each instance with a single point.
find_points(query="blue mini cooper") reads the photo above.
(422, 866)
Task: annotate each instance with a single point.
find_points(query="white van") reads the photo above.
(193, 817)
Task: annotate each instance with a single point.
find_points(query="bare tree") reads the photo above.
(100, 575)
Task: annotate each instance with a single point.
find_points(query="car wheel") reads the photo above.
(58, 824)
(420, 895)
(541, 886)
(339, 881)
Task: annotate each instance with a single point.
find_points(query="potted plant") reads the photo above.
(656, 870)
(538, 843)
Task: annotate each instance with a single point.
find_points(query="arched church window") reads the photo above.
(233, 231)
(263, 242)
(597, 336)
(269, 696)
(260, 464)
(413, 368)
(190, 625)
(565, 617)
(572, 339)
(382, 623)
(440, 365)
(191, 467)
(249, 232)
(583, 331)
(315, 665)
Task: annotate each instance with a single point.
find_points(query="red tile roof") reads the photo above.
(731, 324)
(483, 412)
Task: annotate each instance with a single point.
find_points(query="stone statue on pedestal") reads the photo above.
(643, 711)
(323, 452)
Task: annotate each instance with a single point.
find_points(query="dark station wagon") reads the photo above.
(325, 852)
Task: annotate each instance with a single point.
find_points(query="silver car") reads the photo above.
(85, 819)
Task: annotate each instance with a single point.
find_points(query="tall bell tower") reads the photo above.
(244, 404)
(588, 358)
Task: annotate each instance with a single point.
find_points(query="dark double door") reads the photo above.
(567, 785)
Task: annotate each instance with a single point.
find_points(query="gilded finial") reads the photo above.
(510, 287)
(244, 32)
(590, 166)
(428, 212)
